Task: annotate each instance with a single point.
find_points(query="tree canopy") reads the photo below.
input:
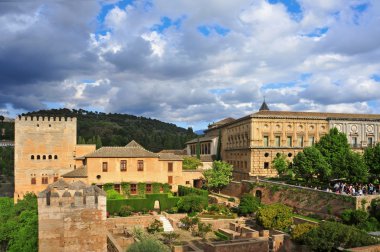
(219, 176)
(281, 165)
(191, 163)
(372, 160)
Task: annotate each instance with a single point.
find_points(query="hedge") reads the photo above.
(139, 204)
(184, 190)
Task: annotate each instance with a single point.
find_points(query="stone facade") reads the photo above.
(72, 217)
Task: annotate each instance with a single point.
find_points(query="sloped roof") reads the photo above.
(169, 156)
(264, 107)
(322, 115)
(202, 139)
(80, 172)
(132, 149)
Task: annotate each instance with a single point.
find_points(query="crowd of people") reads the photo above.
(354, 189)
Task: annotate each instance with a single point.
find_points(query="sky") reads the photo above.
(190, 62)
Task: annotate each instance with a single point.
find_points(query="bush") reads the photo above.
(248, 204)
(148, 244)
(275, 216)
(141, 187)
(189, 223)
(156, 187)
(354, 217)
(300, 230)
(112, 195)
(330, 235)
(231, 199)
(191, 203)
(126, 188)
(169, 237)
(203, 230)
(108, 186)
(125, 211)
(221, 236)
(191, 163)
(155, 226)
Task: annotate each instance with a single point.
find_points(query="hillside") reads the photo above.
(118, 129)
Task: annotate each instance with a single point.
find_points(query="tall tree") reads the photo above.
(198, 149)
(281, 165)
(219, 176)
(219, 146)
(372, 160)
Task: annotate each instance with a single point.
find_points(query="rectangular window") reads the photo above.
(170, 167)
(311, 141)
(45, 180)
(170, 180)
(55, 178)
(105, 167)
(266, 165)
(289, 141)
(148, 188)
(133, 188)
(117, 187)
(354, 142)
(266, 141)
(300, 141)
(370, 141)
(123, 165)
(33, 181)
(277, 141)
(140, 165)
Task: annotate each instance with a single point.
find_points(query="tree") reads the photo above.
(355, 168)
(219, 176)
(191, 203)
(191, 163)
(248, 204)
(298, 231)
(146, 243)
(169, 238)
(189, 223)
(203, 229)
(372, 160)
(281, 165)
(155, 226)
(275, 216)
(219, 146)
(198, 149)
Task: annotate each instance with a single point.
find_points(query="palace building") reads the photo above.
(46, 150)
(252, 142)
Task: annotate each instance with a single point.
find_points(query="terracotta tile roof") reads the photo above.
(80, 172)
(322, 115)
(133, 149)
(175, 152)
(169, 156)
(221, 122)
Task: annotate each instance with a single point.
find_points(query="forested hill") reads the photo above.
(118, 129)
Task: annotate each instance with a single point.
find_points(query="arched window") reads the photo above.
(32, 157)
(50, 157)
(38, 157)
(44, 157)
(55, 157)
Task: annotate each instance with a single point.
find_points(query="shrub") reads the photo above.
(191, 163)
(354, 217)
(248, 204)
(203, 229)
(191, 203)
(108, 186)
(166, 188)
(170, 237)
(141, 187)
(330, 235)
(221, 236)
(275, 216)
(155, 226)
(156, 187)
(125, 211)
(189, 223)
(112, 194)
(126, 188)
(300, 230)
(148, 244)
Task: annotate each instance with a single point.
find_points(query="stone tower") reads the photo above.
(71, 217)
(44, 150)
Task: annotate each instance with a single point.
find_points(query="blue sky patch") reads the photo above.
(220, 91)
(206, 30)
(166, 22)
(279, 85)
(318, 32)
(376, 77)
(292, 7)
(360, 7)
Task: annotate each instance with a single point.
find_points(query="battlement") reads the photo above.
(74, 195)
(45, 119)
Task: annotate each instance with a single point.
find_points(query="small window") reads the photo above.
(187, 182)
(33, 181)
(170, 167)
(148, 188)
(44, 157)
(266, 141)
(32, 157)
(290, 154)
(289, 141)
(277, 141)
(123, 165)
(170, 180)
(49, 125)
(140, 165)
(133, 188)
(55, 178)
(55, 157)
(50, 157)
(266, 154)
(105, 167)
(38, 157)
(45, 180)
(266, 165)
(38, 125)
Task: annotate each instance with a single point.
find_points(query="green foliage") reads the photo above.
(191, 163)
(275, 216)
(120, 129)
(146, 243)
(281, 164)
(219, 146)
(355, 167)
(221, 236)
(219, 176)
(248, 204)
(112, 194)
(126, 188)
(298, 231)
(9, 128)
(184, 190)
(189, 223)
(330, 235)
(155, 227)
(191, 203)
(354, 217)
(198, 149)
(125, 211)
(7, 161)
(372, 159)
(108, 186)
(156, 187)
(139, 204)
(203, 229)
(166, 188)
(141, 187)
(310, 163)
(375, 208)
(19, 224)
(169, 237)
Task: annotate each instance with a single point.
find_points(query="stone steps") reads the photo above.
(166, 224)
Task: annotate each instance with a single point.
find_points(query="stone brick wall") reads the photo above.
(130, 222)
(260, 244)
